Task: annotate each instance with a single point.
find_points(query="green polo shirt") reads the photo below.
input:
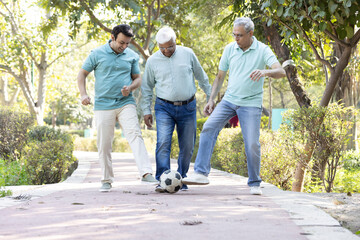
(112, 71)
(172, 77)
(241, 90)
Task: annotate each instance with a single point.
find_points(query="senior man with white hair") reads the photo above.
(172, 72)
(246, 59)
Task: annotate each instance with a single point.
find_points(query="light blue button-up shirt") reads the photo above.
(172, 77)
(112, 72)
(241, 90)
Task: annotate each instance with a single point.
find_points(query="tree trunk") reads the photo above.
(270, 104)
(4, 93)
(283, 54)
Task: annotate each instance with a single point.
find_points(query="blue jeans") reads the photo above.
(167, 117)
(249, 118)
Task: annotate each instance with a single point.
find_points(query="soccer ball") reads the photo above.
(170, 180)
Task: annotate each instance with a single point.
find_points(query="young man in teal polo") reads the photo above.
(117, 74)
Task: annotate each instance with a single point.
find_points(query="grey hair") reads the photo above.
(246, 22)
(165, 34)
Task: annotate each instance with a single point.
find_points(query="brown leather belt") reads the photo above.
(180, 103)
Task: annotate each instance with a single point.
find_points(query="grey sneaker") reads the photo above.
(106, 187)
(148, 178)
(255, 190)
(159, 189)
(196, 179)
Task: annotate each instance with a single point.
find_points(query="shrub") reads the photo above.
(12, 173)
(328, 129)
(347, 181)
(85, 144)
(48, 156)
(200, 123)
(277, 160)
(351, 160)
(13, 132)
(79, 133)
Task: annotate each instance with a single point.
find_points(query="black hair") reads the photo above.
(124, 29)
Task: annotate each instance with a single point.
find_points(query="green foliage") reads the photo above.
(4, 193)
(351, 160)
(85, 144)
(229, 152)
(45, 133)
(48, 156)
(264, 124)
(328, 128)
(120, 143)
(277, 159)
(12, 173)
(13, 132)
(200, 123)
(79, 133)
(347, 181)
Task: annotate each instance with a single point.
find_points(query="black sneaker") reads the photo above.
(159, 189)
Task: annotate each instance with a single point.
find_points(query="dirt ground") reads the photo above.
(345, 209)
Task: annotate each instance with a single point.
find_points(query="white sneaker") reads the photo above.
(106, 187)
(196, 179)
(255, 190)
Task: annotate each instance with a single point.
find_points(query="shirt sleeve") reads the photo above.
(201, 76)
(135, 69)
(224, 60)
(147, 86)
(269, 57)
(90, 62)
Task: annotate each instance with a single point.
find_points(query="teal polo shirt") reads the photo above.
(112, 71)
(241, 90)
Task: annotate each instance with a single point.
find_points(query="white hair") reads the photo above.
(246, 22)
(165, 34)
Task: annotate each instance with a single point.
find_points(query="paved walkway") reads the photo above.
(75, 209)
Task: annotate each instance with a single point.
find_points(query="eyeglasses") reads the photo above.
(167, 48)
(236, 35)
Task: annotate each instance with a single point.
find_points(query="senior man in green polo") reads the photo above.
(117, 74)
(246, 59)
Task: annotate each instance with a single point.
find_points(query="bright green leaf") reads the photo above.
(322, 26)
(310, 9)
(350, 31)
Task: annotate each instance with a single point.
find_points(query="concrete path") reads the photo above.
(75, 209)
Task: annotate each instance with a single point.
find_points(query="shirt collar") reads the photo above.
(110, 50)
(252, 47)
(176, 49)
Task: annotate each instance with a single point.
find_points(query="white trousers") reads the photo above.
(128, 120)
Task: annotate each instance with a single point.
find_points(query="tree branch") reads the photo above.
(355, 39)
(331, 35)
(327, 63)
(66, 53)
(148, 25)
(93, 17)
(106, 29)
(15, 32)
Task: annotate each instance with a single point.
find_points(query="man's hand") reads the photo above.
(257, 74)
(125, 91)
(148, 120)
(209, 107)
(85, 100)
